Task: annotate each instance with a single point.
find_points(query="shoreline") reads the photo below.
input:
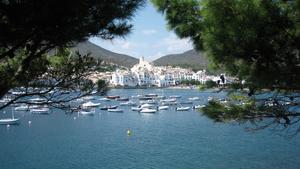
(169, 87)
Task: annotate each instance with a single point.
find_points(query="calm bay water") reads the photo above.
(165, 140)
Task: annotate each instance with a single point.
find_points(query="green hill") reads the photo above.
(189, 59)
(105, 55)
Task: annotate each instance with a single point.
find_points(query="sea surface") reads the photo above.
(165, 140)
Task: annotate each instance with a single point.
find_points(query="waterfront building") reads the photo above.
(145, 74)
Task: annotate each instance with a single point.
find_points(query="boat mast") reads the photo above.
(12, 113)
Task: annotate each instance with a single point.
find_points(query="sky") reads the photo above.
(149, 38)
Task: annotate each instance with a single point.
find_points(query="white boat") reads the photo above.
(136, 108)
(129, 103)
(182, 108)
(22, 108)
(5, 100)
(37, 100)
(199, 106)
(12, 120)
(148, 110)
(108, 107)
(18, 92)
(104, 99)
(161, 97)
(89, 113)
(42, 110)
(147, 105)
(9, 121)
(209, 98)
(90, 104)
(88, 98)
(175, 96)
(194, 98)
(115, 110)
(169, 100)
(151, 95)
(163, 107)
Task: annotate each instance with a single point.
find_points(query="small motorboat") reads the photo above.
(42, 110)
(12, 120)
(90, 104)
(145, 98)
(22, 108)
(88, 98)
(108, 107)
(112, 97)
(209, 98)
(104, 99)
(169, 100)
(194, 98)
(9, 121)
(151, 95)
(89, 113)
(38, 100)
(115, 110)
(175, 96)
(182, 108)
(163, 107)
(199, 106)
(147, 105)
(136, 108)
(148, 110)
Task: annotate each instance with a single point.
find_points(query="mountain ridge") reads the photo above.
(98, 52)
(192, 58)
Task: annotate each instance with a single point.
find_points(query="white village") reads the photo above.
(145, 74)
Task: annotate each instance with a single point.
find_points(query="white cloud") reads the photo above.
(174, 45)
(149, 31)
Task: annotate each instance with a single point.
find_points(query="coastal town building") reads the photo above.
(146, 74)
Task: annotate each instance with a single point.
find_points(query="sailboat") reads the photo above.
(12, 120)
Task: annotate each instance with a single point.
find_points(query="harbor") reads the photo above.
(131, 139)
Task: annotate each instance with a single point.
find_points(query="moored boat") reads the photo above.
(199, 106)
(104, 99)
(163, 107)
(182, 108)
(86, 112)
(148, 110)
(194, 98)
(151, 95)
(90, 104)
(108, 107)
(9, 121)
(147, 105)
(175, 96)
(42, 110)
(22, 108)
(115, 110)
(136, 108)
(112, 97)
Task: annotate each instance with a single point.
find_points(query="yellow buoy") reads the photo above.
(128, 132)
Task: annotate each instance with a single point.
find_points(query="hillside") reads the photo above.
(188, 59)
(106, 55)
